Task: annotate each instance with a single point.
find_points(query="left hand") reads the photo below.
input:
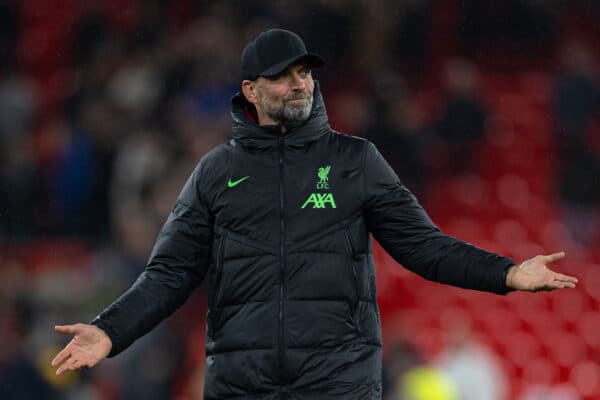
(534, 275)
(89, 346)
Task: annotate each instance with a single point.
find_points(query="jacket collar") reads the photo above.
(248, 133)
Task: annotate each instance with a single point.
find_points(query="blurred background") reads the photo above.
(487, 110)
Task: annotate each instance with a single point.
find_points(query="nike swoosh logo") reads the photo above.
(231, 183)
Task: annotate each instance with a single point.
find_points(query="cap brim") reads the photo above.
(313, 61)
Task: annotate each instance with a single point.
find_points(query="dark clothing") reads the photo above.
(22, 381)
(576, 102)
(292, 300)
(404, 150)
(579, 178)
(461, 124)
(462, 120)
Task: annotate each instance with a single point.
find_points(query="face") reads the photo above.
(284, 98)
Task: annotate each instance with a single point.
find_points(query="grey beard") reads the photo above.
(288, 113)
(296, 114)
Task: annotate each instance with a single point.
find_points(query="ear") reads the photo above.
(249, 91)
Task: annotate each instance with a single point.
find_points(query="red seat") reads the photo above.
(499, 322)
(591, 281)
(565, 349)
(588, 328)
(540, 371)
(570, 305)
(520, 348)
(586, 378)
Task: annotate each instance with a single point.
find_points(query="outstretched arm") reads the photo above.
(404, 229)
(534, 275)
(406, 232)
(177, 265)
(89, 346)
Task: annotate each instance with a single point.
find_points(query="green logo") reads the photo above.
(323, 177)
(231, 183)
(319, 200)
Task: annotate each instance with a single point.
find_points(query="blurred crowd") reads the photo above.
(98, 136)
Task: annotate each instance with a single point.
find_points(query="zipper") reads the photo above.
(217, 286)
(355, 257)
(281, 263)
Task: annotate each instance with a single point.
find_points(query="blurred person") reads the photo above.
(576, 104)
(141, 160)
(135, 234)
(96, 55)
(411, 33)
(212, 66)
(18, 189)
(427, 383)
(509, 26)
(330, 29)
(210, 88)
(399, 130)
(461, 122)
(544, 392)
(197, 135)
(473, 367)
(82, 178)
(135, 86)
(10, 26)
(401, 358)
(18, 173)
(579, 192)
(20, 378)
(91, 32)
(18, 103)
(407, 376)
(153, 366)
(279, 217)
(576, 94)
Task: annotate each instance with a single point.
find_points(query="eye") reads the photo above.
(305, 70)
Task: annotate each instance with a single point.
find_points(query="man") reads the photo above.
(280, 219)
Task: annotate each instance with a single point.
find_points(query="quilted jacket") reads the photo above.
(282, 225)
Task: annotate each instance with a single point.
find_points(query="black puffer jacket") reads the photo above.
(282, 223)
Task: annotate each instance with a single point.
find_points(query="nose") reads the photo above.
(298, 82)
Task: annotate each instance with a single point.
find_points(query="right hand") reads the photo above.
(89, 346)
(534, 275)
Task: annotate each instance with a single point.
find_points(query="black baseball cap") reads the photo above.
(274, 50)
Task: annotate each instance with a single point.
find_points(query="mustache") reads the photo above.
(304, 96)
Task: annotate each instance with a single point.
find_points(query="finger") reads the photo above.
(60, 370)
(567, 285)
(562, 285)
(554, 257)
(76, 364)
(66, 329)
(66, 366)
(565, 278)
(71, 364)
(60, 357)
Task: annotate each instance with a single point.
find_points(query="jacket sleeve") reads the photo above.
(176, 266)
(406, 232)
